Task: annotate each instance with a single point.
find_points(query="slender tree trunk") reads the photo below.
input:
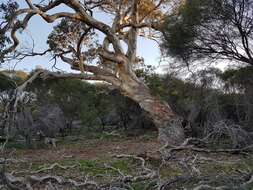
(168, 124)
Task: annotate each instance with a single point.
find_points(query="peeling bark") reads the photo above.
(167, 122)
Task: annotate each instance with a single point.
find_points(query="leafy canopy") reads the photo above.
(210, 29)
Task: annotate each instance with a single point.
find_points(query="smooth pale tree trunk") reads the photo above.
(167, 122)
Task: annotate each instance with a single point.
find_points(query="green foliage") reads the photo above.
(66, 37)
(180, 29)
(11, 79)
(66, 34)
(240, 78)
(6, 82)
(97, 167)
(203, 98)
(210, 29)
(103, 103)
(155, 84)
(7, 11)
(153, 80)
(77, 99)
(92, 167)
(122, 165)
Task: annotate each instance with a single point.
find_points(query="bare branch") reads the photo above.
(97, 24)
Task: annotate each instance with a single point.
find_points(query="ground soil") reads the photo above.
(89, 157)
(89, 149)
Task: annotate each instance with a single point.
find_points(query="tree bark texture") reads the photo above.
(167, 122)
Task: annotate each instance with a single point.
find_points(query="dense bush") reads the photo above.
(206, 100)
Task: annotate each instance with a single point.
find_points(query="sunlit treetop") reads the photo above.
(74, 38)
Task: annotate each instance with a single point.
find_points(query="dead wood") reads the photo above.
(148, 173)
(21, 183)
(54, 165)
(187, 145)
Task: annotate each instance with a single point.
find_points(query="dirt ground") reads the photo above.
(96, 160)
(89, 149)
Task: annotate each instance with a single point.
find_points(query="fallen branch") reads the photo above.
(12, 160)
(52, 167)
(18, 183)
(148, 173)
(169, 183)
(248, 183)
(12, 182)
(208, 187)
(186, 145)
(124, 178)
(62, 181)
(205, 150)
(202, 159)
(143, 162)
(113, 133)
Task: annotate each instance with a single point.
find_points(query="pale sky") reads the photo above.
(39, 30)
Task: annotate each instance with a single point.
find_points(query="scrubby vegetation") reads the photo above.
(116, 123)
(75, 115)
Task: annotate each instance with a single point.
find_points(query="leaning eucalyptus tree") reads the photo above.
(112, 60)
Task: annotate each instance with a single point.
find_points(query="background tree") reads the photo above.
(240, 81)
(107, 61)
(78, 100)
(211, 30)
(6, 82)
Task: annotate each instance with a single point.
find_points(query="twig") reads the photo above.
(125, 178)
(248, 183)
(143, 162)
(52, 167)
(148, 173)
(61, 181)
(187, 146)
(21, 182)
(205, 187)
